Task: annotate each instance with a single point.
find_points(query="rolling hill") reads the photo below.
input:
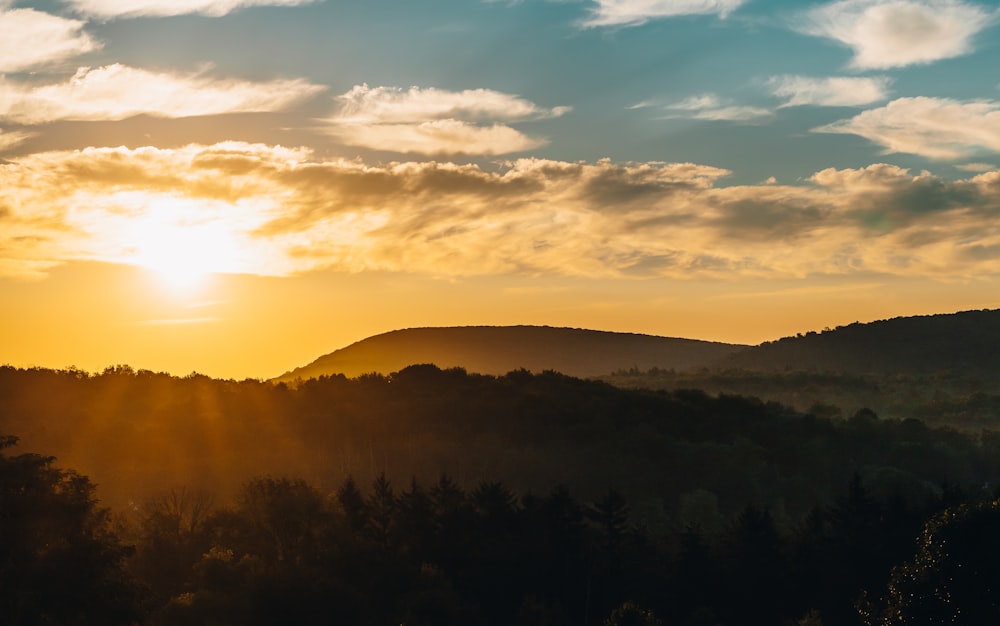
(500, 349)
(965, 343)
(941, 369)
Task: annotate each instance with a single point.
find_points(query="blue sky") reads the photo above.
(738, 85)
(585, 151)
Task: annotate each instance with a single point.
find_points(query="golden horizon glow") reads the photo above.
(270, 210)
(299, 255)
(179, 203)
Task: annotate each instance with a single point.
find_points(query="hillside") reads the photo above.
(501, 349)
(941, 369)
(965, 343)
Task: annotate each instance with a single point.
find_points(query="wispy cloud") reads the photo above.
(832, 91)
(31, 39)
(636, 12)
(976, 167)
(800, 291)
(435, 121)
(897, 33)
(9, 140)
(110, 9)
(393, 105)
(279, 211)
(711, 107)
(939, 128)
(440, 137)
(181, 321)
(116, 92)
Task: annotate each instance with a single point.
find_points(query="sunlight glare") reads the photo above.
(183, 243)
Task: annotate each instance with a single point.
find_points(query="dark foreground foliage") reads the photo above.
(431, 497)
(438, 555)
(60, 560)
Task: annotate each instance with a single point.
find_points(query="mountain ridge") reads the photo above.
(960, 341)
(963, 341)
(500, 349)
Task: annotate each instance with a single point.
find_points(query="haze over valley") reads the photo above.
(499, 313)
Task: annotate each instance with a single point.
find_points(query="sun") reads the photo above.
(183, 244)
(177, 264)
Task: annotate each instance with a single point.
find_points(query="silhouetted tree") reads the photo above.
(610, 516)
(381, 505)
(415, 519)
(954, 577)
(630, 614)
(757, 570)
(352, 502)
(694, 576)
(287, 518)
(173, 534)
(60, 560)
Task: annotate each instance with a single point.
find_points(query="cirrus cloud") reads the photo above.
(833, 91)
(896, 33)
(710, 107)
(32, 39)
(279, 211)
(115, 92)
(637, 12)
(110, 9)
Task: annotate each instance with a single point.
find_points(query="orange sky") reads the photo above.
(236, 187)
(93, 315)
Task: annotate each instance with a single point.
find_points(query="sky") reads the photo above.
(236, 187)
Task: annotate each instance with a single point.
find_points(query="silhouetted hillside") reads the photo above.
(965, 343)
(500, 349)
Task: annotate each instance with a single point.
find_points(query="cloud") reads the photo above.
(636, 12)
(435, 121)
(115, 92)
(710, 107)
(938, 128)
(110, 9)
(440, 137)
(837, 91)
(32, 39)
(897, 33)
(9, 140)
(261, 209)
(976, 167)
(180, 321)
(392, 105)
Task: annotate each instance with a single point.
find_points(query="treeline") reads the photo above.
(963, 343)
(285, 552)
(954, 399)
(680, 457)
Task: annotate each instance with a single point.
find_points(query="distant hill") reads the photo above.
(965, 343)
(500, 349)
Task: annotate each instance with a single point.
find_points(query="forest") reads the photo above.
(433, 496)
